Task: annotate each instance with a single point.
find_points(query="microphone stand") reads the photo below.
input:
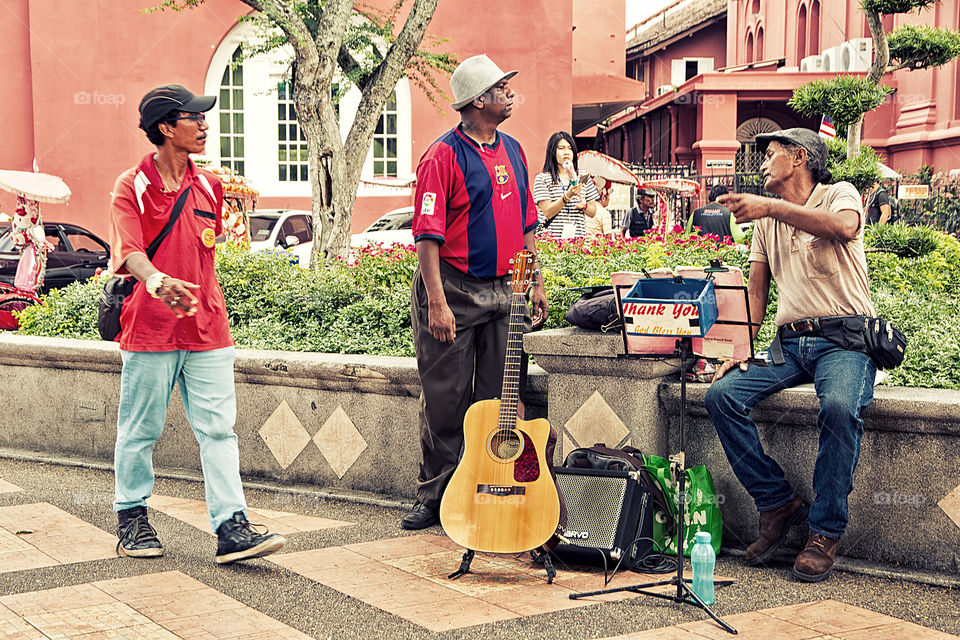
(684, 594)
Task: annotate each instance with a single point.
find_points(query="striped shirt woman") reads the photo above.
(563, 202)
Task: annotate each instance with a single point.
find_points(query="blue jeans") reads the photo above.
(206, 386)
(844, 384)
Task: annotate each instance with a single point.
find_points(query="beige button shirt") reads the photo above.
(816, 277)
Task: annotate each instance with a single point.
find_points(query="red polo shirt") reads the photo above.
(139, 210)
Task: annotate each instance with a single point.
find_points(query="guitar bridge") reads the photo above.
(501, 490)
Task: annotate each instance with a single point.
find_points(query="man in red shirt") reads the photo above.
(174, 328)
(473, 211)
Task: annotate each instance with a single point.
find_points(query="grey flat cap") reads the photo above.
(809, 140)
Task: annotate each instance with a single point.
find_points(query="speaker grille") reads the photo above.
(594, 505)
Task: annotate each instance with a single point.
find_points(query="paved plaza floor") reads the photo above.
(349, 571)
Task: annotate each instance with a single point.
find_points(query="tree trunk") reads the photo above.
(881, 57)
(334, 167)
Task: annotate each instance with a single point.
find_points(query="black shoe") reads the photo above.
(137, 537)
(420, 517)
(238, 540)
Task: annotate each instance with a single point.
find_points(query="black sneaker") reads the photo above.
(238, 540)
(137, 537)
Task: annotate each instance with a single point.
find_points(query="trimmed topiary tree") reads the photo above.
(847, 98)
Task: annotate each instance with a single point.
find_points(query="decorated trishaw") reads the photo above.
(239, 199)
(28, 235)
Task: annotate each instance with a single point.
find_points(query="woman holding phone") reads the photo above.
(562, 195)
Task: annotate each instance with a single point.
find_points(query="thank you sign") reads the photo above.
(664, 307)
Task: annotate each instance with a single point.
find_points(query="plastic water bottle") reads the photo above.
(703, 559)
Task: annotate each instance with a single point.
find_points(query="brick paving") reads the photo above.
(350, 572)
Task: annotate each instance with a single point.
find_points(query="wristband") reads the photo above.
(154, 282)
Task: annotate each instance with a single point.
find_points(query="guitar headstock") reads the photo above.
(522, 271)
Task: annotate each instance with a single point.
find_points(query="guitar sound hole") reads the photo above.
(505, 445)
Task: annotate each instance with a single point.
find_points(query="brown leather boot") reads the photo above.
(816, 560)
(774, 526)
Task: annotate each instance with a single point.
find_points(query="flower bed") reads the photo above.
(363, 307)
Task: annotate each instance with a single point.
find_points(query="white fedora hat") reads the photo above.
(473, 77)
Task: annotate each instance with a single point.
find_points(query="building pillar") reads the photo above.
(674, 131)
(716, 149)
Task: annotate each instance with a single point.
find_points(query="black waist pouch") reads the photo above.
(884, 343)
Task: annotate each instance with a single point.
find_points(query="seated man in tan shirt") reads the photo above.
(811, 242)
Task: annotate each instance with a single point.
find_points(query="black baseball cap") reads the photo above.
(809, 140)
(647, 192)
(171, 97)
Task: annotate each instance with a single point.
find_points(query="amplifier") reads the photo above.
(606, 512)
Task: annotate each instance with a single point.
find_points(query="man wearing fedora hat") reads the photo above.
(165, 218)
(473, 211)
(811, 242)
(640, 219)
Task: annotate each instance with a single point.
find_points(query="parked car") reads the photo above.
(284, 230)
(77, 254)
(392, 227)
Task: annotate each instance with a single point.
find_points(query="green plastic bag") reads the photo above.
(702, 510)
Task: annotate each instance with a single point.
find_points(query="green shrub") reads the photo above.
(364, 307)
(903, 240)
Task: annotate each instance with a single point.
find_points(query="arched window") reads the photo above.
(385, 141)
(814, 38)
(759, 43)
(292, 164)
(756, 7)
(802, 33)
(749, 47)
(273, 153)
(230, 103)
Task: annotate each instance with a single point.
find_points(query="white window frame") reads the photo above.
(678, 69)
(261, 75)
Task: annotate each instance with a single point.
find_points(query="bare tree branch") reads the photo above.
(386, 75)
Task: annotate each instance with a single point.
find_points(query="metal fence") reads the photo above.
(941, 210)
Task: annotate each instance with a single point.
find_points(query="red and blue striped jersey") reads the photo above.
(475, 200)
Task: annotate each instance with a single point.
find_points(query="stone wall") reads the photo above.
(343, 422)
(905, 506)
(334, 421)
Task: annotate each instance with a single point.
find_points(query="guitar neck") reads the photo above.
(510, 392)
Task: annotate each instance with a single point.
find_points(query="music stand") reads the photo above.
(683, 594)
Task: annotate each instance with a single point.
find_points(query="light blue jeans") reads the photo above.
(206, 386)
(844, 384)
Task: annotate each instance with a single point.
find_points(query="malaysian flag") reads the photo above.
(827, 130)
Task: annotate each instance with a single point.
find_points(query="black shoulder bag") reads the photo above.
(117, 288)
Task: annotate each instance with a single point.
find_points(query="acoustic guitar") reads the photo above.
(502, 497)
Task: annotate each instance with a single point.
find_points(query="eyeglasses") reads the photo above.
(199, 118)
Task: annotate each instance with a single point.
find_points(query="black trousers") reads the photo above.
(455, 375)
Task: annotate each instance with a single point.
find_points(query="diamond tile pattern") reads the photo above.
(339, 441)
(595, 421)
(154, 606)
(48, 536)
(194, 513)
(284, 435)
(951, 505)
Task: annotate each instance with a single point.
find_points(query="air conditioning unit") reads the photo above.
(811, 64)
(832, 61)
(857, 54)
(664, 88)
